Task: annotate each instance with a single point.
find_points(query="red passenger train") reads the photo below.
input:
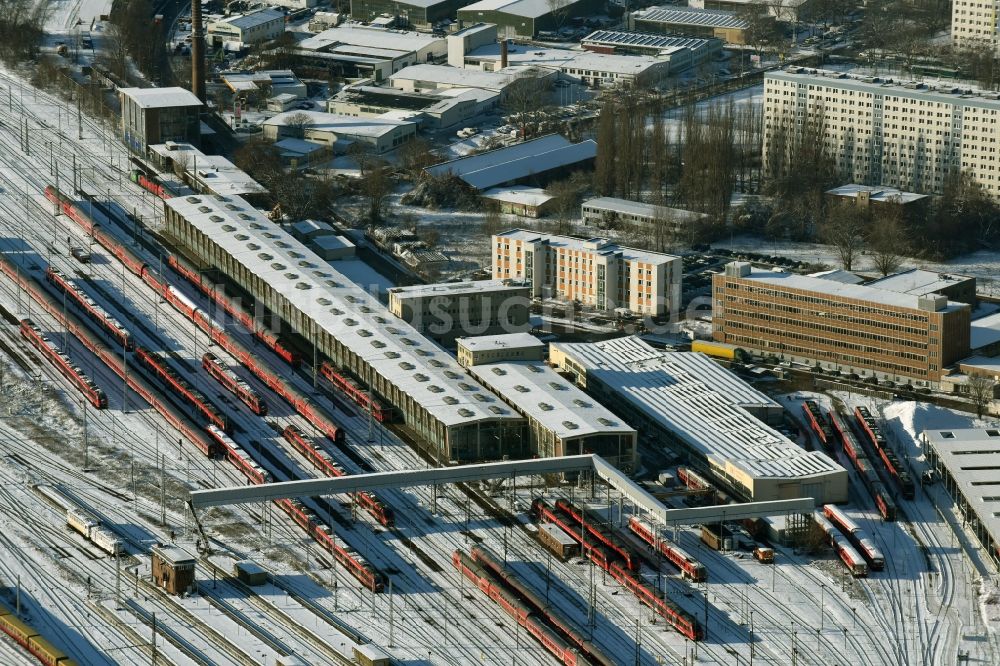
(605, 537)
(818, 423)
(883, 452)
(182, 388)
(857, 535)
(690, 567)
(93, 310)
(358, 395)
(856, 451)
(322, 461)
(213, 366)
(150, 184)
(247, 466)
(84, 384)
(234, 309)
(302, 403)
(845, 551)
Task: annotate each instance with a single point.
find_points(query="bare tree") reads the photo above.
(526, 96)
(888, 241)
(559, 11)
(981, 391)
(844, 230)
(376, 187)
(297, 124)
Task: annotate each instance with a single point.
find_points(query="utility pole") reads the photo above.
(152, 655)
(118, 583)
(163, 484)
(392, 615)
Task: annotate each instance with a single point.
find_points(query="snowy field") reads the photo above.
(63, 15)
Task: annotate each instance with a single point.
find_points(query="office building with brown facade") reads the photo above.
(856, 329)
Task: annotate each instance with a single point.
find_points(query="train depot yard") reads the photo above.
(150, 376)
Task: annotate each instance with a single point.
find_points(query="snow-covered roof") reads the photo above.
(637, 208)
(213, 172)
(918, 282)
(702, 403)
(253, 19)
(984, 331)
(565, 59)
(987, 364)
(595, 245)
(420, 369)
(542, 394)
(501, 342)
(836, 289)
(668, 43)
(336, 123)
(880, 194)
(519, 194)
(970, 456)
(293, 146)
(472, 78)
(714, 18)
(525, 8)
(355, 35)
(161, 98)
(455, 288)
(521, 160)
(838, 275)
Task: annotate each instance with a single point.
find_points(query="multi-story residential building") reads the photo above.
(595, 272)
(878, 132)
(853, 328)
(446, 311)
(974, 22)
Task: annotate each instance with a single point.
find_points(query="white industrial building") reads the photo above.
(681, 51)
(272, 82)
(705, 413)
(208, 174)
(428, 78)
(438, 401)
(495, 348)
(371, 52)
(262, 25)
(380, 135)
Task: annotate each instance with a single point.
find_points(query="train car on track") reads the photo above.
(690, 568)
(858, 453)
(96, 313)
(605, 536)
(90, 527)
(90, 390)
(322, 461)
(27, 637)
(159, 366)
(884, 455)
(864, 543)
(150, 183)
(358, 395)
(818, 424)
(247, 466)
(853, 560)
(242, 390)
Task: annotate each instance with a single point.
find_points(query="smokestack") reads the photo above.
(197, 52)
(503, 54)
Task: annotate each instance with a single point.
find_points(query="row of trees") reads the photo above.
(134, 34)
(21, 30)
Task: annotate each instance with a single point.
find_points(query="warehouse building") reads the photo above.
(966, 460)
(562, 419)
(521, 200)
(526, 18)
(858, 329)
(437, 400)
(786, 11)
(265, 83)
(690, 22)
(496, 348)
(437, 110)
(207, 174)
(611, 212)
(386, 51)
(589, 67)
(701, 411)
(446, 311)
(379, 135)
(421, 14)
(469, 39)
(878, 131)
(256, 27)
(595, 272)
(430, 78)
(536, 162)
(158, 115)
(697, 50)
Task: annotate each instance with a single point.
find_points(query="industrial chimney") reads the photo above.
(197, 51)
(503, 54)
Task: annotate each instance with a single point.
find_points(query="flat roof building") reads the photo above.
(430, 109)
(787, 11)
(450, 310)
(705, 413)
(562, 419)
(690, 22)
(610, 212)
(431, 78)
(966, 460)
(853, 328)
(496, 348)
(882, 131)
(336, 131)
(532, 162)
(657, 46)
(207, 174)
(521, 200)
(272, 82)
(438, 402)
(415, 13)
(918, 282)
(526, 18)
(357, 51)
(262, 25)
(595, 272)
(156, 115)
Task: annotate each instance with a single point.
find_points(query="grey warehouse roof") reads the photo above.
(418, 367)
(666, 42)
(918, 281)
(525, 8)
(518, 161)
(499, 342)
(690, 16)
(613, 204)
(455, 288)
(539, 392)
(701, 403)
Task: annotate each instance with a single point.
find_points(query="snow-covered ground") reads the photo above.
(62, 16)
